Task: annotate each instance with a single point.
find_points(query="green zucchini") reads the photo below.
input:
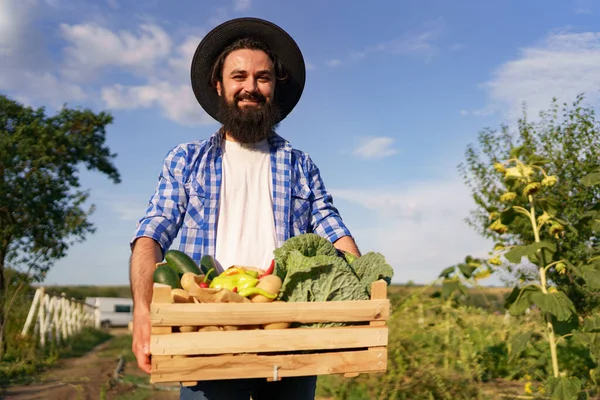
(207, 262)
(165, 275)
(181, 262)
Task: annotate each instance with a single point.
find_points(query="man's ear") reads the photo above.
(219, 87)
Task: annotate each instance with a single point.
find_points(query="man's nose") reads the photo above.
(250, 85)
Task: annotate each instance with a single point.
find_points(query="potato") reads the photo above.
(271, 284)
(209, 329)
(231, 327)
(181, 296)
(277, 325)
(189, 279)
(187, 328)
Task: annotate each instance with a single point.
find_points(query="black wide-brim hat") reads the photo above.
(287, 92)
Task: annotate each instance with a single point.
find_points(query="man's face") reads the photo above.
(247, 109)
(248, 79)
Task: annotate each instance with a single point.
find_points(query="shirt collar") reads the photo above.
(275, 141)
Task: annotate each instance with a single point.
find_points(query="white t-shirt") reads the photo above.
(245, 225)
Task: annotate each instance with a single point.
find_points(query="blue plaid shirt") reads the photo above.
(188, 191)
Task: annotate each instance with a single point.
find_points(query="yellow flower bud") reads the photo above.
(500, 168)
(556, 229)
(549, 181)
(482, 274)
(498, 227)
(531, 188)
(542, 219)
(499, 247)
(561, 268)
(552, 289)
(495, 261)
(508, 196)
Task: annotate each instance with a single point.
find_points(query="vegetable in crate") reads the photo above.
(241, 281)
(181, 262)
(167, 276)
(312, 270)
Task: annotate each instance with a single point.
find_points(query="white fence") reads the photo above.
(57, 318)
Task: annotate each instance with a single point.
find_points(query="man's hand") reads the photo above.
(145, 254)
(346, 243)
(141, 339)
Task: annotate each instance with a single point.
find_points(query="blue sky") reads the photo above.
(395, 92)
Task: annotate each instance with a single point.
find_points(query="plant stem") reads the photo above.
(542, 270)
(447, 338)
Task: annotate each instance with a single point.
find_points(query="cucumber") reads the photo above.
(207, 262)
(181, 262)
(165, 275)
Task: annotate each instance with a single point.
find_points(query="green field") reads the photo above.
(438, 349)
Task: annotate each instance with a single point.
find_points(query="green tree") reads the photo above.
(566, 140)
(43, 209)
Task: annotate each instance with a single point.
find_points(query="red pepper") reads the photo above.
(203, 285)
(234, 290)
(269, 271)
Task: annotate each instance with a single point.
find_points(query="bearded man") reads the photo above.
(241, 193)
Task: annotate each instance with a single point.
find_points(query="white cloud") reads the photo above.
(44, 87)
(334, 63)
(27, 70)
(563, 65)
(241, 5)
(376, 147)
(93, 46)
(420, 228)
(15, 17)
(169, 89)
(177, 102)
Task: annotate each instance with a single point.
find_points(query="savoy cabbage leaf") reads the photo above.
(371, 267)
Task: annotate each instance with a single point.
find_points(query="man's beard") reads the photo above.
(249, 124)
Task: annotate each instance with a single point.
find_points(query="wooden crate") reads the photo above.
(272, 354)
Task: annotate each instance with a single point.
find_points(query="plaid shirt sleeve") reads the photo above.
(325, 218)
(168, 203)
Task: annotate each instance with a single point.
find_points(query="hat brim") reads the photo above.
(287, 92)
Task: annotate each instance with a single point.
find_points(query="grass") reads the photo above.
(441, 350)
(34, 361)
(437, 350)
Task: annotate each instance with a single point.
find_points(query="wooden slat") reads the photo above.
(262, 366)
(261, 341)
(378, 292)
(211, 314)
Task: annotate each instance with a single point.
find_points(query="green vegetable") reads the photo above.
(181, 262)
(312, 270)
(371, 267)
(239, 281)
(309, 244)
(255, 290)
(207, 262)
(166, 275)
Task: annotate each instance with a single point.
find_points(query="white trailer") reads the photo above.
(114, 311)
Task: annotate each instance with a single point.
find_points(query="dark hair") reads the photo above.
(250, 44)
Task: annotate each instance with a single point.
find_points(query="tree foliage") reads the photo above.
(43, 208)
(566, 141)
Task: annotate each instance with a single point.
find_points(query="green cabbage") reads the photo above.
(312, 270)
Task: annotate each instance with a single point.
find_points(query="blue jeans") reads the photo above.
(293, 388)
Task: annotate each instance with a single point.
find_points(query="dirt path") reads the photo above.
(86, 378)
(75, 378)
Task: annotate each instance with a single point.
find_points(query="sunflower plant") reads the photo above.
(523, 202)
